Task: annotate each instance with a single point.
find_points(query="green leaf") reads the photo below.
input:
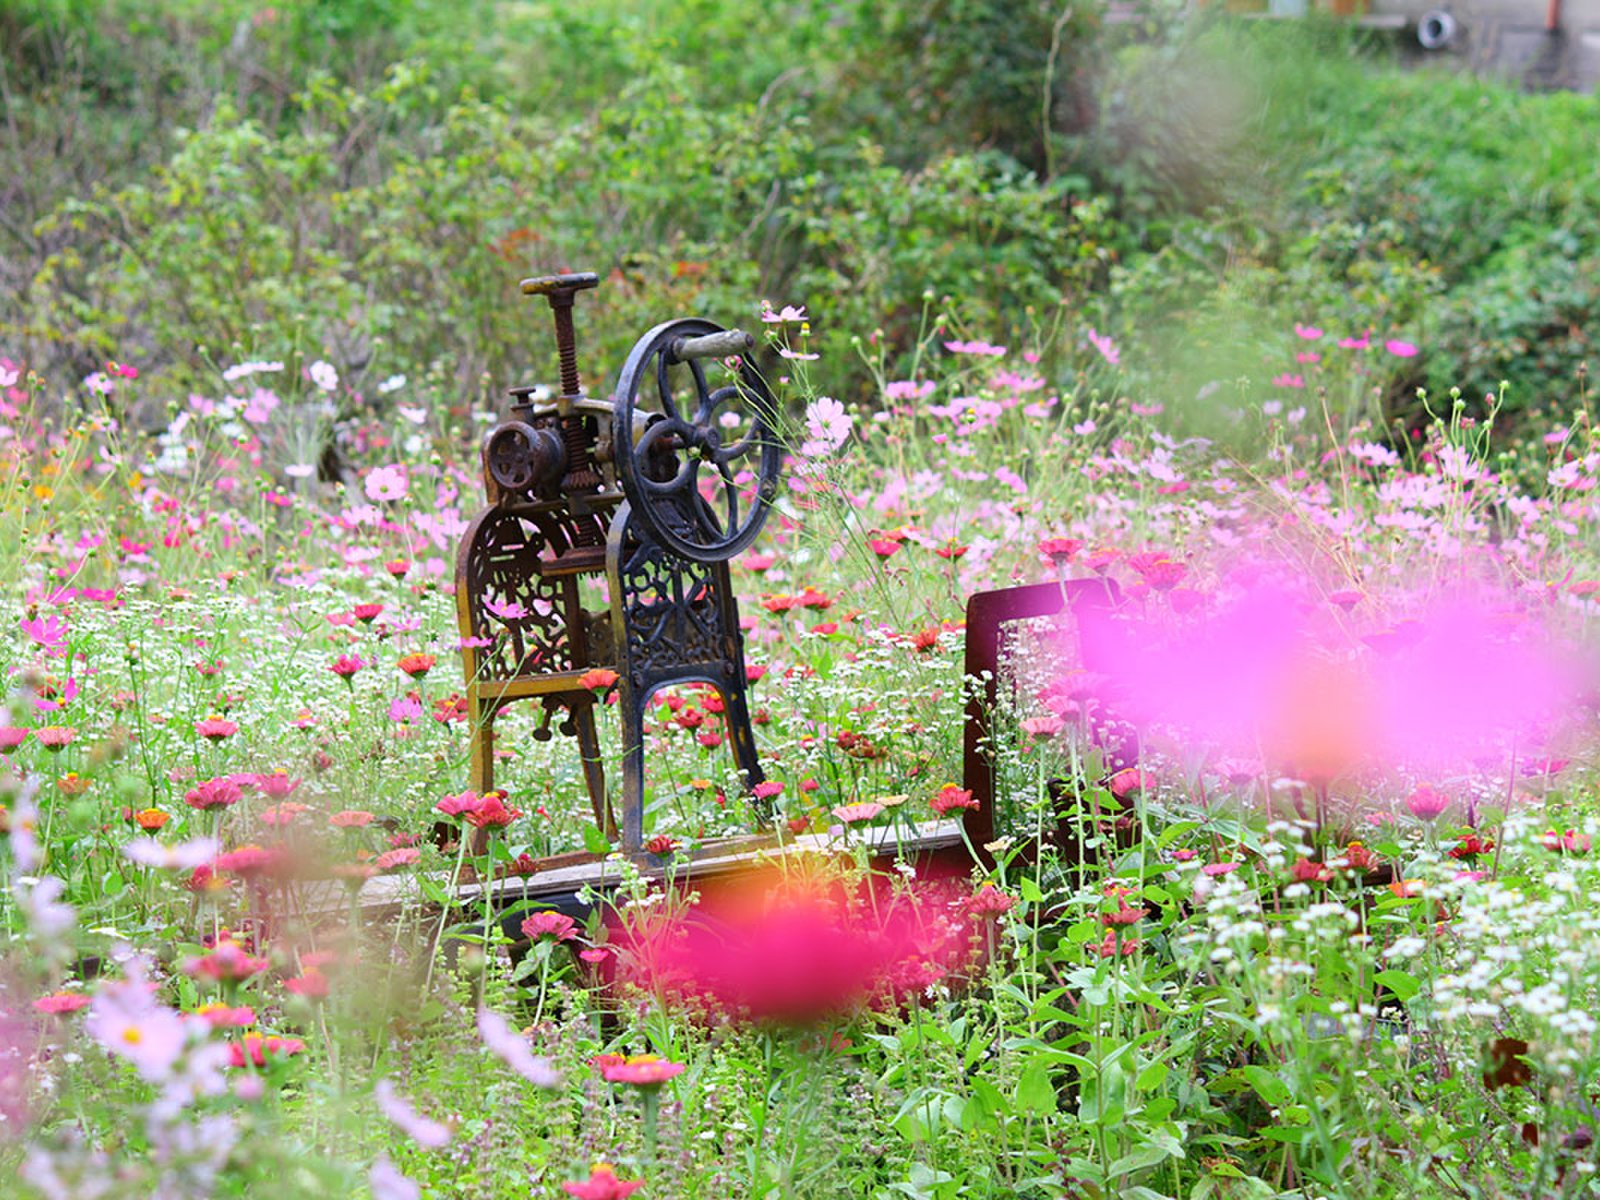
(1138, 1159)
(1268, 1086)
(1034, 1090)
(1084, 932)
(1030, 890)
(987, 1100)
(594, 841)
(1401, 984)
(1151, 1077)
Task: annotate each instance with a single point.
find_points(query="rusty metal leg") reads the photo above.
(737, 719)
(594, 773)
(481, 716)
(632, 772)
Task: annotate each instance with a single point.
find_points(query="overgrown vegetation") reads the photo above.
(1289, 894)
(187, 182)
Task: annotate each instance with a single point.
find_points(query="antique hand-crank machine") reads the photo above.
(658, 487)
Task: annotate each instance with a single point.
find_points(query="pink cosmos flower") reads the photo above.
(388, 1183)
(427, 1133)
(982, 349)
(786, 315)
(512, 1049)
(49, 632)
(185, 856)
(1400, 349)
(1309, 332)
(387, 483)
(125, 1018)
(1107, 348)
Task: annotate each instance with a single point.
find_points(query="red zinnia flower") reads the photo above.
(661, 844)
(255, 1049)
(989, 900)
(1060, 550)
(950, 796)
(367, 613)
(597, 679)
(491, 813)
(416, 665)
(603, 1184)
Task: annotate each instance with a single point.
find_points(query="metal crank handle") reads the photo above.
(712, 345)
(551, 285)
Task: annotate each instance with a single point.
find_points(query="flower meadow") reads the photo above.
(1291, 891)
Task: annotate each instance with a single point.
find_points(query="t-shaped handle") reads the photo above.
(552, 285)
(561, 291)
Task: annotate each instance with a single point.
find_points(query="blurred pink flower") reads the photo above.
(512, 1049)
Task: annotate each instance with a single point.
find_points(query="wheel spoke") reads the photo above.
(664, 387)
(706, 400)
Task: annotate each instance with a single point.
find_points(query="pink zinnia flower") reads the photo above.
(216, 729)
(346, 666)
(642, 1070)
(556, 926)
(213, 793)
(853, 814)
(56, 737)
(1426, 803)
(227, 963)
(12, 736)
(351, 818)
(278, 785)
